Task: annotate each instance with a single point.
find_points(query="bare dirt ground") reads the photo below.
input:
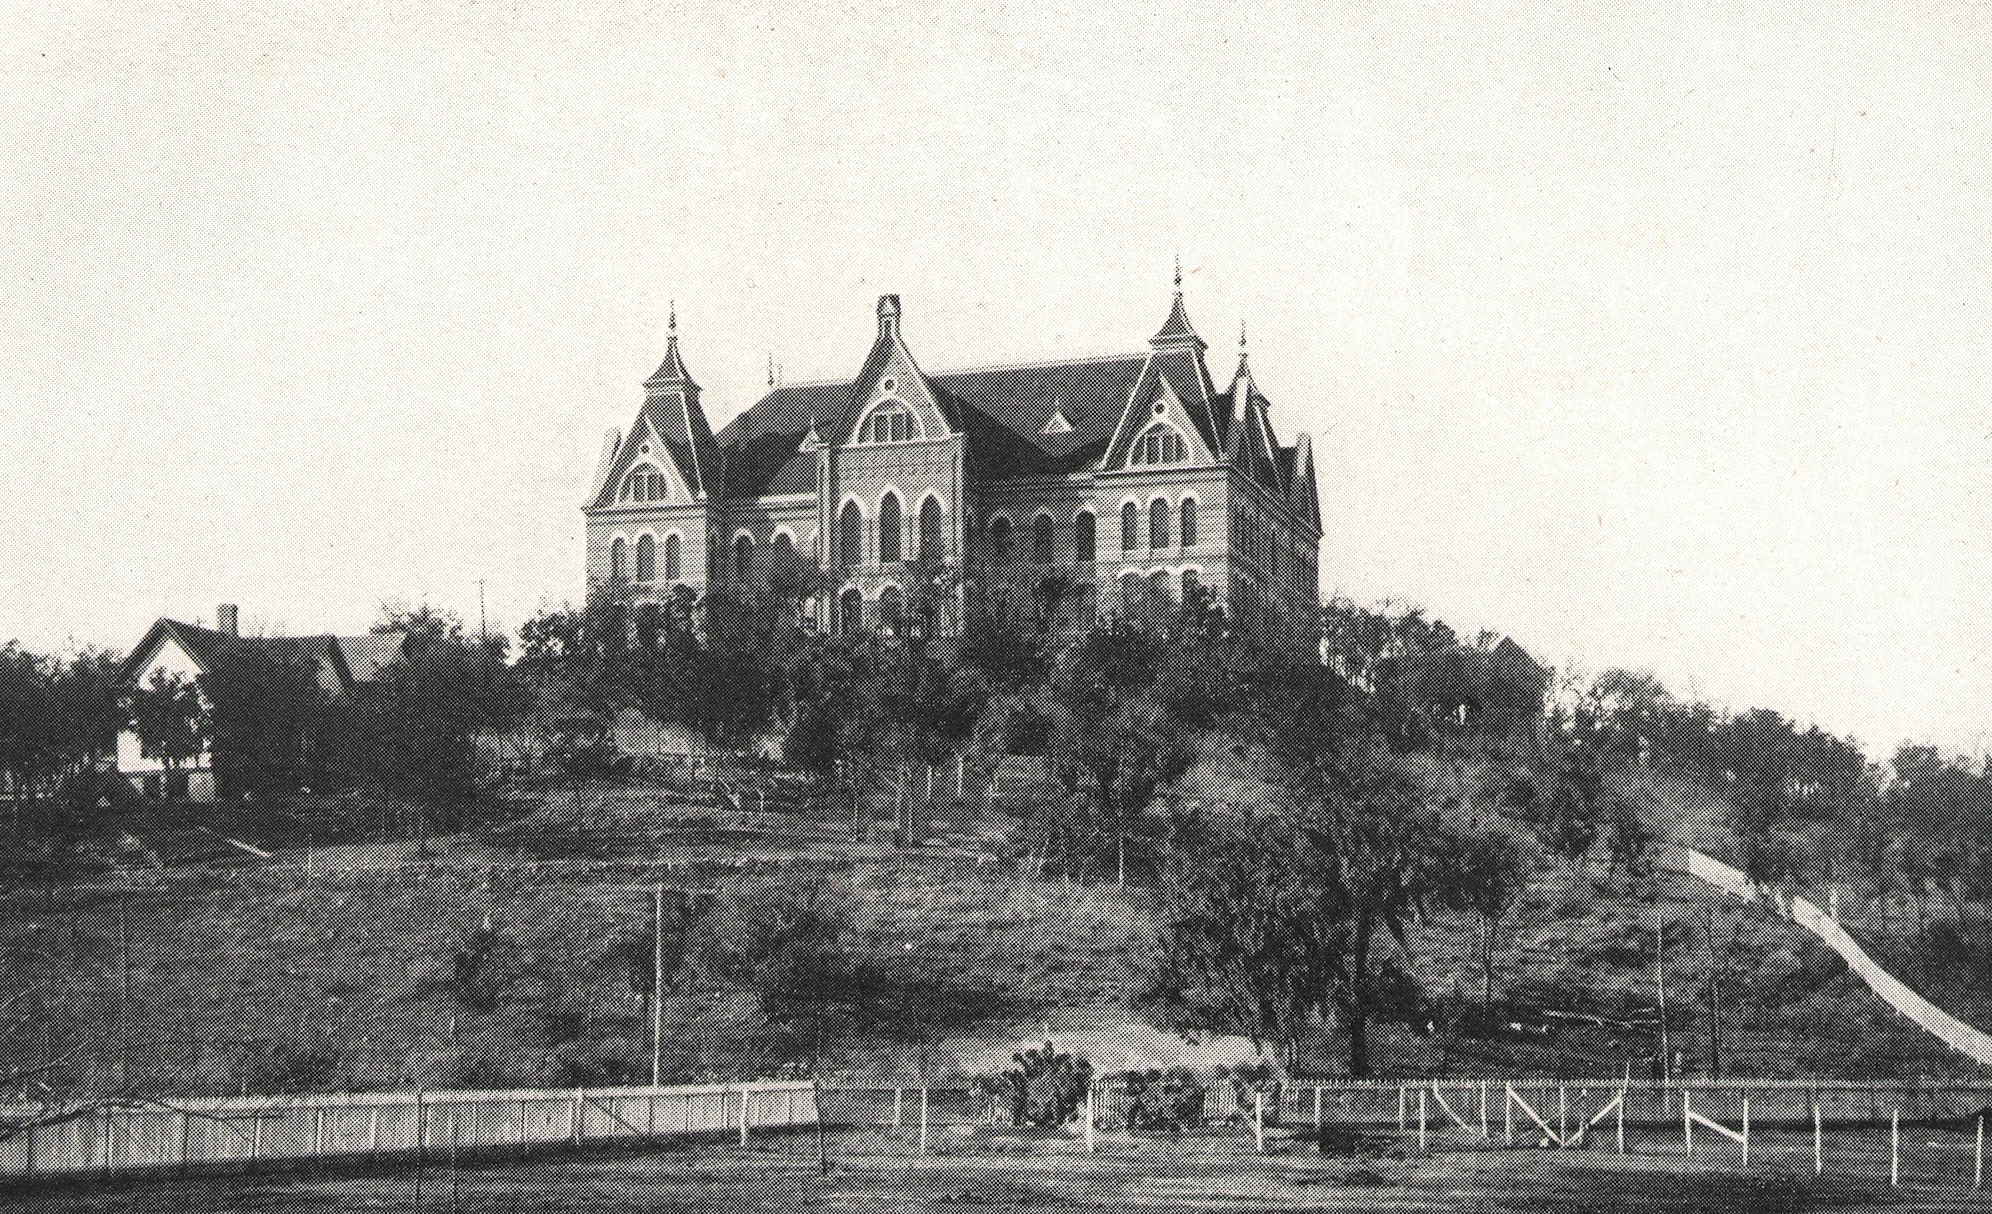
(998, 1171)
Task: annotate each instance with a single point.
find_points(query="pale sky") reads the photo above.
(1650, 335)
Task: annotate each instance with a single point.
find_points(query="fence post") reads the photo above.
(1401, 1097)
(923, 1116)
(1978, 1156)
(575, 1115)
(745, 1116)
(1687, 1123)
(1508, 1114)
(1746, 1131)
(1421, 1121)
(1089, 1117)
(1317, 1107)
(1562, 1116)
(1484, 1135)
(1625, 1094)
(1259, 1119)
(1818, 1138)
(898, 1107)
(1895, 1146)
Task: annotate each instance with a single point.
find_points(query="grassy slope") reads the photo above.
(270, 979)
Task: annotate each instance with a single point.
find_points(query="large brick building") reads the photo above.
(902, 497)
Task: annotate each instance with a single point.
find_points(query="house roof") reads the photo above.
(340, 662)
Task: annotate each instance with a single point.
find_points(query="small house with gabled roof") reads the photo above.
(174, 648)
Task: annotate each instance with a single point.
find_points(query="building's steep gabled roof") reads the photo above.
(340, 662)
(1303, 495)
(672, 413)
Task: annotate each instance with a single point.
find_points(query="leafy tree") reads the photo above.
(1488, 870)
(169, 718)
(266, 719)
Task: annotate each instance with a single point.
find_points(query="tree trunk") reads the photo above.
(1487, 976)
(1358, 1003)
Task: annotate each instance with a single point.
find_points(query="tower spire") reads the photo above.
(1241, 345)
(771, 368)
(1179, 275)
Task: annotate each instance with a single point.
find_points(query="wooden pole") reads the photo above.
(1508, 1114)
(1259, 1119)
(1746, 1131)
(746, 1115)
(1978, 1156)
(657, 991)
(1421, 1121)
(1687, 1123)
(1895, 1146)
(1562, 1116)
(1402, 1096)
(923, 1110)
(1623, 1093)
(1090, 1119)
(898, 1108)
(1317, 1107)
(1484, 1135)
(1818, 1139)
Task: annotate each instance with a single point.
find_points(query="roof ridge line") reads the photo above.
(1042, 362)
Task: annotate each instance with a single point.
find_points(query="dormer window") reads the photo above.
(645, 485)
(890, 422)
(1161, 443)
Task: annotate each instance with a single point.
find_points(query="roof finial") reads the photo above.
(1241, 335)
(1179, 273)
(771, 368)
(674, 318)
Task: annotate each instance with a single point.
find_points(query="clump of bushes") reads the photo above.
(1046, 1087)
(1164, 1101)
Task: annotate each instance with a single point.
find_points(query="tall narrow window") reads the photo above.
(932, 546)
(999, 538)
(888, 530)
(1188, 531)
(618, 560)
(646, 559)
(1158, 524)
(743, 560)
(1083, 543)
(673, 557)
(1130, 527)
(1042, 537)
(850, 535)
(851, 612)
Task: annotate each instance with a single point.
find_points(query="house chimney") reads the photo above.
(225, 619)
(888, 316)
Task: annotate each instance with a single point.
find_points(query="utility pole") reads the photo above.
(657, 993)
(1714, 984)
(1660, 981)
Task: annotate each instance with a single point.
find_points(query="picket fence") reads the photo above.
(179, 1135)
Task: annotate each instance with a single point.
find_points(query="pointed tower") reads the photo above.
(1174, 387)
(671, 407)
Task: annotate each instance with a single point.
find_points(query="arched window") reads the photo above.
(888, 530)
(891, 610)
(1188, 531)
(673, 557)
(646, 559)
(850, 535)
(645, 485)
(1161, 443)
(891, 422)
(618, 560)
(1082, 537)
(743, 559)
(851, 612)
(1192, 586)
(999, 538)
(933, 546)
(1130, 527)
(1158, 524)
(1043, 535)
(1158, 586)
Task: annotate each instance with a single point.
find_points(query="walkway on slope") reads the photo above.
(1974, 1044)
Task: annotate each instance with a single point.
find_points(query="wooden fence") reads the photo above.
(180, 1135)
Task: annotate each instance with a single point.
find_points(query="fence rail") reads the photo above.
(154, 1136)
